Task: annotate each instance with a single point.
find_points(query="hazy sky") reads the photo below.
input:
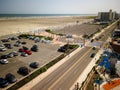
(58, 6)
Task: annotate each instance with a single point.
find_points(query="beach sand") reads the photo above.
(16, 25)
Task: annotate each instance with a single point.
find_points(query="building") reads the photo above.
(106, 17)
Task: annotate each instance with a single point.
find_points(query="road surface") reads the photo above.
(65, 75)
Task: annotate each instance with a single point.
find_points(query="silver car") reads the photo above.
(3, 61)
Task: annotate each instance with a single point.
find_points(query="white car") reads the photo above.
(24, 54)
(3, 61)
(2, 49)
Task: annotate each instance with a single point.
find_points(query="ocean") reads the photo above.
(43, 15)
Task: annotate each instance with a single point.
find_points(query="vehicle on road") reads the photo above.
(92, 55)
(94, 48)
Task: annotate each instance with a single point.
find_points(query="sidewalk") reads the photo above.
(87, 70)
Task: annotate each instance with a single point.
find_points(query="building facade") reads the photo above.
(107, 16)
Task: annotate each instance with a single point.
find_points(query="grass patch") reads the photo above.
(49, 31)
(40, 36)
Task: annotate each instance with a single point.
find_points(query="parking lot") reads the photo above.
(46, 53)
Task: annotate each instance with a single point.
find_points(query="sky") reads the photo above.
(58, 6)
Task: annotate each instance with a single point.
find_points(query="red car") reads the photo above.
(21, 50)
(28, 52)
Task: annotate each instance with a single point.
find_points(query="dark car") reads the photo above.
(12, 54)
(34, 48)
(92, 40)
(5, 40)
(4, 57)
(21, 50)
(10, 78)
(61, 49)
(14, 38)
(3, 82)
(92, 55)
(24, 70)
(17, 44)
(8, 46)
(34, 65)
(23, 42)
(25, 48)
(94, 48)
(15, 53)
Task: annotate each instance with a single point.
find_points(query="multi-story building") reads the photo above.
(106, 17)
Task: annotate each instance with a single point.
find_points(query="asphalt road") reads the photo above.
(65, 76)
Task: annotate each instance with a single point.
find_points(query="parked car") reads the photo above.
(34, 48)
(23, 42)
(1, 45)
(31, 37)
(4, 57)
(8, 46)
(3, 61)
(12, 54)
(3, 49)
(28, 52)
(64, 48)
(10, 78)
(3, 82)
(17, 44)
(21, 50)
(25, 48)
(34, 64)
(92, 55)
(24, 70)
(5, 40)
(92, 40)
(14, 38)
(36, 39)
(24, 54)
(15, 53)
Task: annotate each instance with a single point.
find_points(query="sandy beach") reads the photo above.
(15, 25)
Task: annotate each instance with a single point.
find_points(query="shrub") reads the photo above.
(48, 38)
